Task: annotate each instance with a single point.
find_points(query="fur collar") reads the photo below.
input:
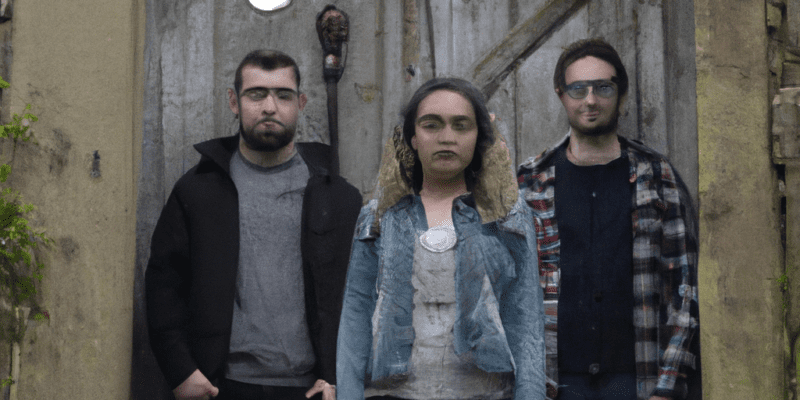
(495, 191)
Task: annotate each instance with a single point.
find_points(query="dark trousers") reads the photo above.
(607, 386)
(233, 390)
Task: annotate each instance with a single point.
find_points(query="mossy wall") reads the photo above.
(79, 63)
(741, 304)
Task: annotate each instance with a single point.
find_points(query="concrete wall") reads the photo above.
(741, 304)
(79, 63)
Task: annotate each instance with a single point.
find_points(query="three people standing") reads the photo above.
(451, 272)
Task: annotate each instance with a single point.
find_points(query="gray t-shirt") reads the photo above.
(270, 343)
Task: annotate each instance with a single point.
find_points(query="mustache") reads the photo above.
(268, 119)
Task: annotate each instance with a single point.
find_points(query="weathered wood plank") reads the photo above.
(463, 30)
(541, 120)
(615, 22)
(407, 27)
(680, 71)
(359, 97)
(172, 103)
(520, 42)
(411, 34)
(394, 91)
(147, 382)
(478, 25)
(427, 48)
(187, 67)
(442, 40)
(503, 106)
(650, 48)
(524, 9)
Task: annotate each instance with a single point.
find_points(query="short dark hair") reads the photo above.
(595, 47)
(268, 60)
(483, 120)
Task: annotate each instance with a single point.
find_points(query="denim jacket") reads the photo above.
(499, 314)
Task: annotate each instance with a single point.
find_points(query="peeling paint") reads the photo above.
(69, 248)
(59, 153)
(367, 92)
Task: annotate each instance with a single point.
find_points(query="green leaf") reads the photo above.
(5, 171)
(25, 287)
(19, 271)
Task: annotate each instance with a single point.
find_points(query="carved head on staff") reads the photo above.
(333, 29)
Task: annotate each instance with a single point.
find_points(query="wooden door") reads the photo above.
(507, 47)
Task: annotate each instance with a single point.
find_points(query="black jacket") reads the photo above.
(191, 275)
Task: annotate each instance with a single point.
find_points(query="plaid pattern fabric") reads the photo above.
(664, 263)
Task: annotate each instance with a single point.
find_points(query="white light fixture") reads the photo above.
(270, 5)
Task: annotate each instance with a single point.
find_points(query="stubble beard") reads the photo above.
(604, 129)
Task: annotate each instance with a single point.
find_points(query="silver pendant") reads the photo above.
(439, 238)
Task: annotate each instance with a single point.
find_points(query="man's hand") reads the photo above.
(328, 391)
(195, 387)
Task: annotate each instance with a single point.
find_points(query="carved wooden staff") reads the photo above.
(333, 29)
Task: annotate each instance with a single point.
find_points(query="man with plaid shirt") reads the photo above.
(617, 247)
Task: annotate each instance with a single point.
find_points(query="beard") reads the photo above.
(604, 129)
(267, 140)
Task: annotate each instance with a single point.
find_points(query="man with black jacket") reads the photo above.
(249, 256)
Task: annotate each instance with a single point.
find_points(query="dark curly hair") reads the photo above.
(485, 133)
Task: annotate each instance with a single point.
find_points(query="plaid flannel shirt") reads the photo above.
(664, 263)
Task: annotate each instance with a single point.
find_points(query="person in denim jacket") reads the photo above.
(442, 298)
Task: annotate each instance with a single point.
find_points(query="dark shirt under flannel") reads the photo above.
(663, 224)
(593, 208)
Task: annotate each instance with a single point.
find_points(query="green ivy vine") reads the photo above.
(20, 272)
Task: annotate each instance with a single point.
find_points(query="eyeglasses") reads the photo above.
(600, 87)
